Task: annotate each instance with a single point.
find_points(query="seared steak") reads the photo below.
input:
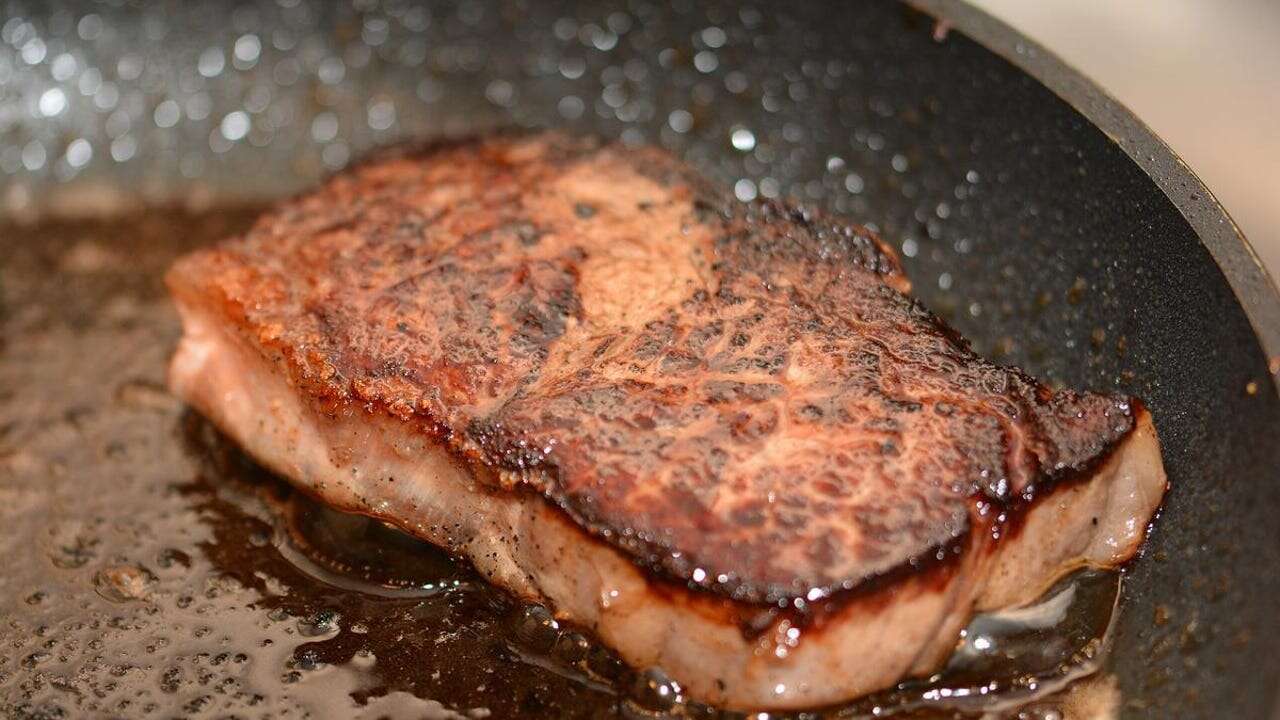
(720, 435)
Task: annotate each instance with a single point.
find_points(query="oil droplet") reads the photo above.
(571, 648)
(537, 628)
(319, 624)
(122, 583)
(655, 690)
(743, 140)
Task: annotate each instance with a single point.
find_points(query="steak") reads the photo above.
(720, 435)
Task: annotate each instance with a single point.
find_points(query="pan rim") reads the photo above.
(1253, 287)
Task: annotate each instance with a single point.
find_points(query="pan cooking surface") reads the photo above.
(137, 564)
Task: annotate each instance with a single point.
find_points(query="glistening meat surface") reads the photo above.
(719, 434)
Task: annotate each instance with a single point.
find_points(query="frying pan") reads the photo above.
(1032, 211)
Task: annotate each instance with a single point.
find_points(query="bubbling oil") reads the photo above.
(1007, 663)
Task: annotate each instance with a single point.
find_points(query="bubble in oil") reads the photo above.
(322, 623)
(655, 690)
(571, 648)
(537, 628)
(123, 583)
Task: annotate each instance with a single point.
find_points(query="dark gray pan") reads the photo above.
(1036, 214)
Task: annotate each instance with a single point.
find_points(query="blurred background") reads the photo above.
(1204, 74)
(81, 92)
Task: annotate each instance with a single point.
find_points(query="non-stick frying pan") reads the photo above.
(142, 575)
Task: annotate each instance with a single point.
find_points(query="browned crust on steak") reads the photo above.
(738, 396)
